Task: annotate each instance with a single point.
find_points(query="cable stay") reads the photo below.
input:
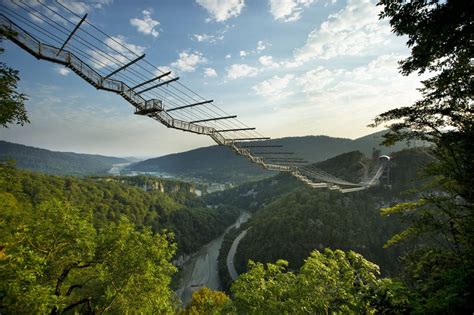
(252, 139)
(93, 61)
(235, 129)
(157, 85)
(212, 119)
(125, 66)
(151, 80)
(72, 33)
(190, 105)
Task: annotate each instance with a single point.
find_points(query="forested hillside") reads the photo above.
(218, 164)
(56, 163)
(291, 219)
(109, 198)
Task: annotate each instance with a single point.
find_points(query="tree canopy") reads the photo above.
(440, 35)
(12, 102)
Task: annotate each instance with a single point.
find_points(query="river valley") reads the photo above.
(201, 269)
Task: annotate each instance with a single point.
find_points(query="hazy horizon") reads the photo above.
(312, 68)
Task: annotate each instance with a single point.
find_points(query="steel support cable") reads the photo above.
(85, 43)
(91, 69)
(324, 177)
(331, 179)
(103, 53)
(147, 62)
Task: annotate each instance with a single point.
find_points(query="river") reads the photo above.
(201, 269)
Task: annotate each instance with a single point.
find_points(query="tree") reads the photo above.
(329, 282)
(205, 301)
(12, 103)
(55, 261)
(440, 34)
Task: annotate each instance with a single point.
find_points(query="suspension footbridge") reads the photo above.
(58, 35)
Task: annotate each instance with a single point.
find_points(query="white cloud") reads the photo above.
(118, 50)
(119, 44)
(275, 88)
(221, 10)
(267, 61)
(217, 36)
(261, 46)
(373, 86)
(146, 25)
(188, 61)
(243, 53)
(77, 7)
(203, 37)
(210, 72)
(237, 71)
(62, 70)
(164, 69)
(288, 10)
(99, 4)
(354, 30)
(228, 56)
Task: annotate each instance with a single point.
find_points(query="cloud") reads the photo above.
(99, 4)
(237, 71)
(164, 69)
(228, 56)
(77, 7)
(267, 61)
(146, 25)
(288, 10)
(221, 10)
(261, 46)
(117, 49)
(203, 37)
(375, 85)
(355, 30)
(243, 53)
(275, 88)
(217, 36)
(188, 61)
(210, 73)
(62, 70)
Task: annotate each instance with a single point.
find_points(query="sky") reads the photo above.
(286, 67)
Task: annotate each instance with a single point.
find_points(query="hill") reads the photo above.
(219, 164)
(56, 163)
(290, 219)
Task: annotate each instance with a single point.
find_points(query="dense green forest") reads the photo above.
(291, 219)
(56, 163)
(109, 198)
(217, 164)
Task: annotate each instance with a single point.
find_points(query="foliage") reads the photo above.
(329, 282)
(205, 301)
(12, 103)
(440, 34)
(291, 220)
(56, 261)
(177, 210)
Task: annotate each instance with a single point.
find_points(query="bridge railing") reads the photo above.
(67, 58)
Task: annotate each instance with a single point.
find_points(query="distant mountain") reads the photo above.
(216, 163)
(57, 163)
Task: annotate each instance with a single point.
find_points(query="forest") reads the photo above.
(106, 245)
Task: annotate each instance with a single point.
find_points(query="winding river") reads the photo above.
(201, 269)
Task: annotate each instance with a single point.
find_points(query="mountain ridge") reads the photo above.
(219, 164)
(56, 162)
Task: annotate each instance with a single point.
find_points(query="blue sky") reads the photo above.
(287, 67)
